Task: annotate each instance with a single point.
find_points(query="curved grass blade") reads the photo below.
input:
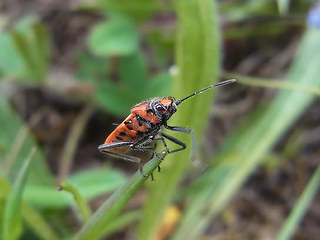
(300, 208)
(33, 219)
(82, 205)
(12, 217)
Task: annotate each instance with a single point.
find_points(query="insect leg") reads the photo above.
(148, 148)
(186, 130)
(123, 156)
(135, 146)
(178, 129)
(104, 147)
(174, 140)
(141, 142)
(127, 158)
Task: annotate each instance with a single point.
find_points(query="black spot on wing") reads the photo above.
(129, 127)
(122, 134)
(128, 123)
(119, 138)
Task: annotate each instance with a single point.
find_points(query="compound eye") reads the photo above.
(159, 107)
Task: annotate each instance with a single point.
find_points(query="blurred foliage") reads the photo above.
(126, 60)
(12, 224)
(90, 184)
(24, 52)
(15, 143)
(114, 37)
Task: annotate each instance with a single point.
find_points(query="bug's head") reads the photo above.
(163, 108)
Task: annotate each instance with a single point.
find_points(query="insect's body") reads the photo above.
(129, 130)
(143, 123)
(143, 126)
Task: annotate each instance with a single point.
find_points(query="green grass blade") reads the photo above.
(38, 225)
(12, 217)
(90, 183)
(96, 226)
(33, 219)
(12, 157)
(268, 83)
(197, 52)
(5, 189)
(300, 208)
(283, 6)
(122, 221)
(72, 141)
(242, 152)
(82, 205)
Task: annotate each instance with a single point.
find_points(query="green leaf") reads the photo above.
(90, 184)
(116, 36)
(91, 68)
(10, 61)
(159, 85)
(162, 44)
(134, 72)
(116, 99)
(12, 217)
(25, 50)
(46, 196)
(15, 143)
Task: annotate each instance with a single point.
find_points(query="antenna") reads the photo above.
(206, 88)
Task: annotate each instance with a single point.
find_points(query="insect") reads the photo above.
(140, 130)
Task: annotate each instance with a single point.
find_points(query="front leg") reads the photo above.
(186, 130)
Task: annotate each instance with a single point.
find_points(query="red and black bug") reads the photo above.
(140, 130)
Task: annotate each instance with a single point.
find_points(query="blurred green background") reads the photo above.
(69, 70)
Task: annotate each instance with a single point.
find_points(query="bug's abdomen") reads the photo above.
(133, 128)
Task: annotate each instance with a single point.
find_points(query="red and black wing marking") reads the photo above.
(134, 128)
